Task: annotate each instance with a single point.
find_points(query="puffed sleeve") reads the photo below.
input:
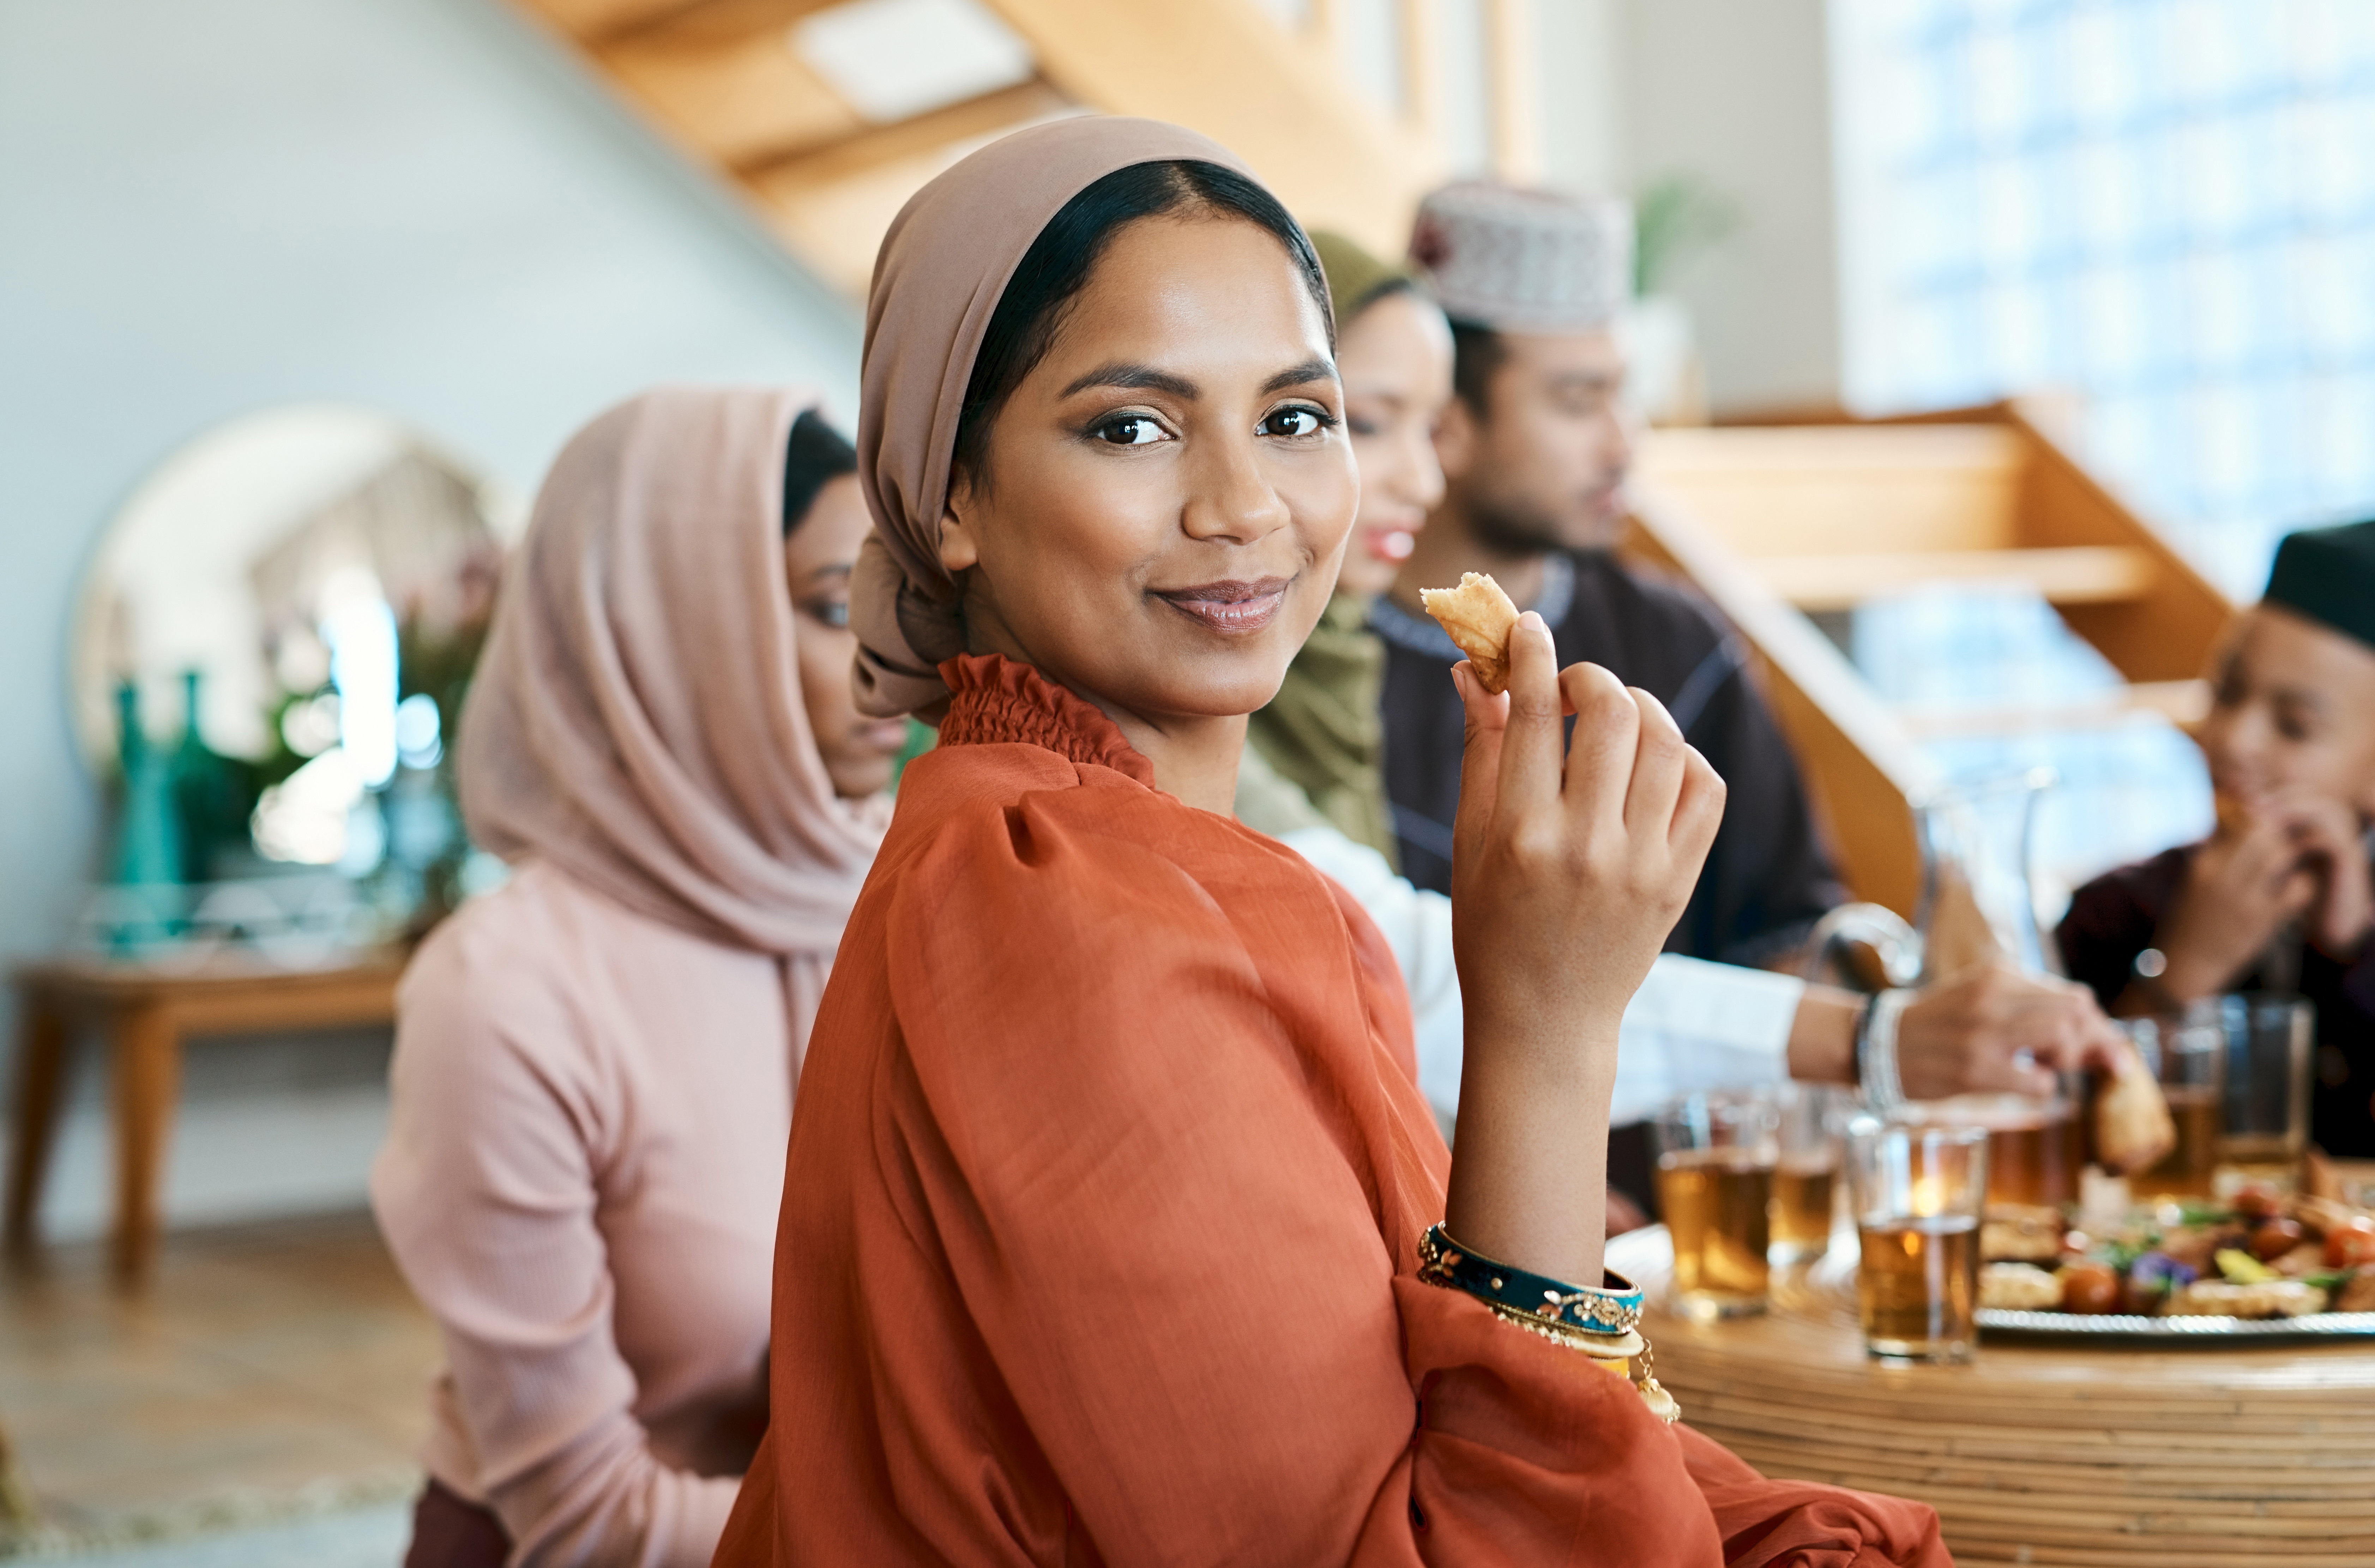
(1171, 1166)
(485, 1190)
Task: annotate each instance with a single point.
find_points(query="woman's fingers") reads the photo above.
(1698, 813)
(1480, 762)
(1531, 735)
(1600, 757)
(1659, 755)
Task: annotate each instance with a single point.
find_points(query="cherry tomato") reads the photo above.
(2350, 1243)
(2274, 1238)
(2090, 1287)
(2258, 1201)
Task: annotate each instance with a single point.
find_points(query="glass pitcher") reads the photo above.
(1977, 906)
(1976, 902)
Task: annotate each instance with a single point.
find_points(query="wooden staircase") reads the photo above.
(1777, 523)
(734, 85)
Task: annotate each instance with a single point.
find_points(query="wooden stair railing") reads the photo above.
(1779, 523)
(723, 80)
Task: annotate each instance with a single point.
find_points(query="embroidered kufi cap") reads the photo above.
(1525, 261)
(2328, 574)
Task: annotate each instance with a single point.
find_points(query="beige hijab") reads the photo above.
(636, 719)
(943, 267)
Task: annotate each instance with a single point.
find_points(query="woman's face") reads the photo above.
(1395, 358)
(2292, 711)
(1166, 495)
(818, 557)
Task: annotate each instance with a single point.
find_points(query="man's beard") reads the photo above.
(1508, 526)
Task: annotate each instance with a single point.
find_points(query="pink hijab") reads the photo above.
(942, 269)
(636, 719)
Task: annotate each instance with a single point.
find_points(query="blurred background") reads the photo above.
(1991, 343)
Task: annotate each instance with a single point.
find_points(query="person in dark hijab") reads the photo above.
(2277, 898)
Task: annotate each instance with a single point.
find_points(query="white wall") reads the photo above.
(1737, 93)
(1733, 93)
(209, 207)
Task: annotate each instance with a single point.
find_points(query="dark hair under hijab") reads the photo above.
(814, 458)
(1055, 269)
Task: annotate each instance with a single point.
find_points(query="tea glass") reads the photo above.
(2036, 1148)
(2189, 1055)
(1918, 1192)
(2267, 1041)
(1716, 1158)
(1805, 1177)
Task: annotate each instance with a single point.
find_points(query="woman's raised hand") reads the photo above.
(1570, 864)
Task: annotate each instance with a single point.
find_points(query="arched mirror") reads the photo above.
(270, 653)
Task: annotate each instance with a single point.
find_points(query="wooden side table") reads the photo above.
(147, 1014)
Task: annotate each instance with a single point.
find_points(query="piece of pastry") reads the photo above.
(1478, 617)
(2132, 1129)
(2277, 1298)
(2019, 1286)
(2020, 1233)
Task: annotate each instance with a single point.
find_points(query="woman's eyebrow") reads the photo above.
(1135, 377)
(837, 568)
(1311, 369)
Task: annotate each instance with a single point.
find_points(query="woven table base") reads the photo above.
(2198, 1458)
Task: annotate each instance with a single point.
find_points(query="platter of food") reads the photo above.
(2260, 1267)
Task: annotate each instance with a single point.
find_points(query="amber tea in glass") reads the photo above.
(2189, 1056)
(1716, 1154)
(1918, 1192)
(1805, 1178)
(2035, 1147)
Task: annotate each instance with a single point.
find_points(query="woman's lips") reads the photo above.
(885, 735)
(1388, 544)
(1229, 606)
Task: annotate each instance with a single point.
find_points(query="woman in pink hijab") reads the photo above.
(594, 1066)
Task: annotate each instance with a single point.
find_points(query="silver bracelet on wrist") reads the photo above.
(1876, 1050)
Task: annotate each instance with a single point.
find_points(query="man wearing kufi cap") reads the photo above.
(2278, 897)
(1534, 450)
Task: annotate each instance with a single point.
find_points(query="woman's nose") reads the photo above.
(1423, 473)
(1229, 499)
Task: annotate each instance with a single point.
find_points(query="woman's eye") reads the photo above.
(827, 612)
(1129, 430)
(1294, 422)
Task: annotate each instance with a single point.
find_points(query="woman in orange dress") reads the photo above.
(1115, 1227)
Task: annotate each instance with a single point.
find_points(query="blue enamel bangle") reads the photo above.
(1613, 1308)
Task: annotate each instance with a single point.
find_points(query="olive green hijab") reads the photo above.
(1324, 732)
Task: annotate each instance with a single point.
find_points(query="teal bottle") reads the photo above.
(149, 832)
(208, 794)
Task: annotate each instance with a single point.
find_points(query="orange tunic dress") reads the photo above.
(1099, 1234)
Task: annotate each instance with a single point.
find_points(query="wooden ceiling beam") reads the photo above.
(728, 80)
(597, 22)
(858, 155)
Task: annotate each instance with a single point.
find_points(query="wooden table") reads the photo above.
(147, 1013)
(2195, 1459)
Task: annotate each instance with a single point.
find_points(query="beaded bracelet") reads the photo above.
(1602, 1324)
(1615, 1308)
(1876, 1072)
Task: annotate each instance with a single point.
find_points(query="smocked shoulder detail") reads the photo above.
(996, 699)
